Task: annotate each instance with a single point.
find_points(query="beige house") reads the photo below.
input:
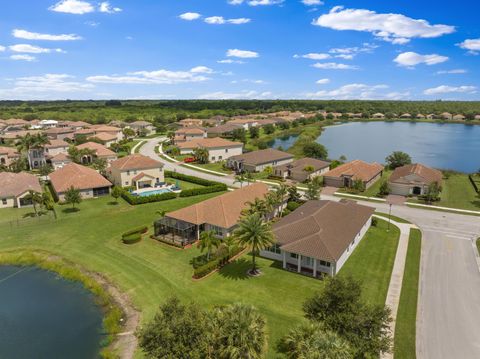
(345, 175)
(187, 122)
(413, 179)
(319, 236)
(246, 123)
(40, 156)
(14, 188)
(143, 126)
(118, 132)
(8, 155)
(60, 133)
(302, 169)
(189, 133)
(90, 183)
(60, 160)
(225, 130)
(219, 149)
(100, 150)
(459, 117)
(446, 116)
(257, 161)
(136, 170)
(105, 138)
(378, 115)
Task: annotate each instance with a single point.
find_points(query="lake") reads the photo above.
(285, 142)
(44, 316)
(443, 146)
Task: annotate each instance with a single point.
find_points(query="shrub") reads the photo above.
(374, 221)
(134, 200)
(132, 238)
(207, 268)
(198, 191)
(143, 229)
(292, 206)
(191, 179)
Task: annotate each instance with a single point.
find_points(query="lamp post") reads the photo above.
(389, 217)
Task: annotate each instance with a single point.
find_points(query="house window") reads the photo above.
(128, 173)
(275, 249)
(126, 183)
(217, 230)
(4, 201)
(325, 264)
(308, 261)
(226, 150)
(213, 158)
(293, 255)
(220, 157)
(135, 172)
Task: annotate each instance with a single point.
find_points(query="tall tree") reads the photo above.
(201, 154)
(315, 150)
(116, 193)
(256, 235)
(208, 242)
(35, 198)
(398, 159)
(73, 196)
(240, 178)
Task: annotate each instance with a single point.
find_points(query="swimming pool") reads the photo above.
(153, 192)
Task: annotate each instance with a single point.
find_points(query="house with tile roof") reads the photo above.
(189, 133)
(105, 138)
(15, 188)
(302, 169)
(136, 170)
(257, 161)
(413, 179)
(219, 214)
(100, 151)
(219, 149)
(90, 183)
(40, 156)
(319, 236)
(143, 127)
(346, 174)
(8, 155)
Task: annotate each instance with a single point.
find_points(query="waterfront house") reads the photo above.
(406, 115)
(136, 170)
(225, 130)
(378, 115)
(446, 116)
(15, 187)
(302, 169)
(246, 123)
(257, 161)
(413, 179)
(459, 117)
(346, 174)
(319, 236)
(219, 149)
(90, 183)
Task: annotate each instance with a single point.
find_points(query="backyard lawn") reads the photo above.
(150, 271)
(375, 188)
(213, 166)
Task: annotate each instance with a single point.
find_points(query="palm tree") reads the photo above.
(249, 177)
(254, 234)
(281, 192)
(209, 241)
(36, 198)
(257, 206)
(271, 203)
(201, 154)
(239, 332)
(240, 178)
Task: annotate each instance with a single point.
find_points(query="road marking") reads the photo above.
(459, 237)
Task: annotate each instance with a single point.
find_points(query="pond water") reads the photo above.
(285, 142)
(443, 146)
(45, 316)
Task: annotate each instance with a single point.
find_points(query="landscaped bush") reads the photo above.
(205, 269)
(292, 206)
(132, 238)
(143, 229)
(134, 200)
(192, 179)
(202, 267)
(203, 190)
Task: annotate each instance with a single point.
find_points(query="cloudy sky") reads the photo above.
(267, 49)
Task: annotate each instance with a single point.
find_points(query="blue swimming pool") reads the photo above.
(153, 192)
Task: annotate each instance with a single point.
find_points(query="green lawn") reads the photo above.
(214, 166)
(405, 334)
(149, 271)
(375, 188)
(478, 245)
(394, 218)
(183, 184)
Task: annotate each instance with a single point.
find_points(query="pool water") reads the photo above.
(153, 192)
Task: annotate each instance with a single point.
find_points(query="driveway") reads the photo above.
(448, 320)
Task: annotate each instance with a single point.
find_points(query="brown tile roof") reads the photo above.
(356, 169)
(222, 211)
(321, 229)
(428, 175)
(226, 128)
(60, 157)
(261, 157)
(59, 130)
(80, 177)
(100, 150)
(56, 144)
(104, 128)
(209, 143)
(135, 162)
(9, 151)
(140, 176)
(301, 164)
(15, 184)
(105, 136)
(190, 130)
(85, 131)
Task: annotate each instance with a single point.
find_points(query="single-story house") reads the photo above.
(302, 169)
(420, 116)
(8, 155)
(459, 117)
(218, 148)
(189, 133)
(413, 179)
(406, 115)
(100, 152)
(187, 122)
(14, 188)
(378, 115)
(90, 183)
(345, 175)
(446, 115)
(60, 160)
(319, 236)
(246, 123)
(220, 214)
(143, 126)
(118, 132)
(222, 130)
(105, 138)
(136, 170)
(257, 161)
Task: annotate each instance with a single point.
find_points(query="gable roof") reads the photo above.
(428, 175)
(302, 163)
(321, 229)
(60, 157)
(261, 157)
(208, 143)
(222, 211)
(105, 136)
(9, 151)
(77, 176)
(56, 144)
(100, 150)
(356, 169)
(15, 184)
(226, 128)
(105, 128)
(135, 162)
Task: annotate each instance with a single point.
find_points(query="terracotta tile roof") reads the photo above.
(9, 151)
(140, 176)
(135, 162)
(105, 136)
(59, 130)
(85, 131)
(427, 175)
(321, 229)
(80, 177)
(56, 144)
(15, 184)
(100, 150)
(261, 157)
(226, 128)
(223, 211)
(104, 128)
(60, 157)
(190, 130)
(215, 142)
(301, 164)
(356, 169)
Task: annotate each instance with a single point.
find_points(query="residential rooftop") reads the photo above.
(262, 156)
(15, 184)
(135, 162)
(78, 177)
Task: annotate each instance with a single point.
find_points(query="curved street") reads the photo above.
(448, 324)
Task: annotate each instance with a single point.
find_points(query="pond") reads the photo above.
(443, 146)
(285, 142)
(45, 316)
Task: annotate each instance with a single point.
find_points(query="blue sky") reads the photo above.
(267, 49)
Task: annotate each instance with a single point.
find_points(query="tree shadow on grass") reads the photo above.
(70, 210)
(113, 203)
(236, 270)
(476, 203)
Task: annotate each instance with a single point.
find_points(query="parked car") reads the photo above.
(189, 159)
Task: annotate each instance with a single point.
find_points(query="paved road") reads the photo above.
(448, 321)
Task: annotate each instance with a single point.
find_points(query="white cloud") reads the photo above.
(31, 49)
(255, 2)
(220, 95)
(473, 45)
(107, 8)
(28, 58)
(239, 21)
(218, 20)
(312, 2)
(454, 71)
(334, 66)
(350, 91)
(244, 54)
(256, 82)
(323, 81)
(410, 59)
(348, 53)
(2, 48)
(76, 7)
(230, 61)
(396, 28)
(162, 76)
(27, 35)
(314, 56)
(443, 89)
(189, 16)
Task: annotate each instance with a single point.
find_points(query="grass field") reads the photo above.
(458, 192)
(394, 218)
(214, 166)
(375, 188)
(405, 327)
(149, 271)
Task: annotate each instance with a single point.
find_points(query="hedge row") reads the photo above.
(203, 190)
(134, 200)
(192, 179)
(134, 235)
(218, 262)
(143, 229)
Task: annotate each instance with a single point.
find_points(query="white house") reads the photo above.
(219, 149)
(257, 161)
